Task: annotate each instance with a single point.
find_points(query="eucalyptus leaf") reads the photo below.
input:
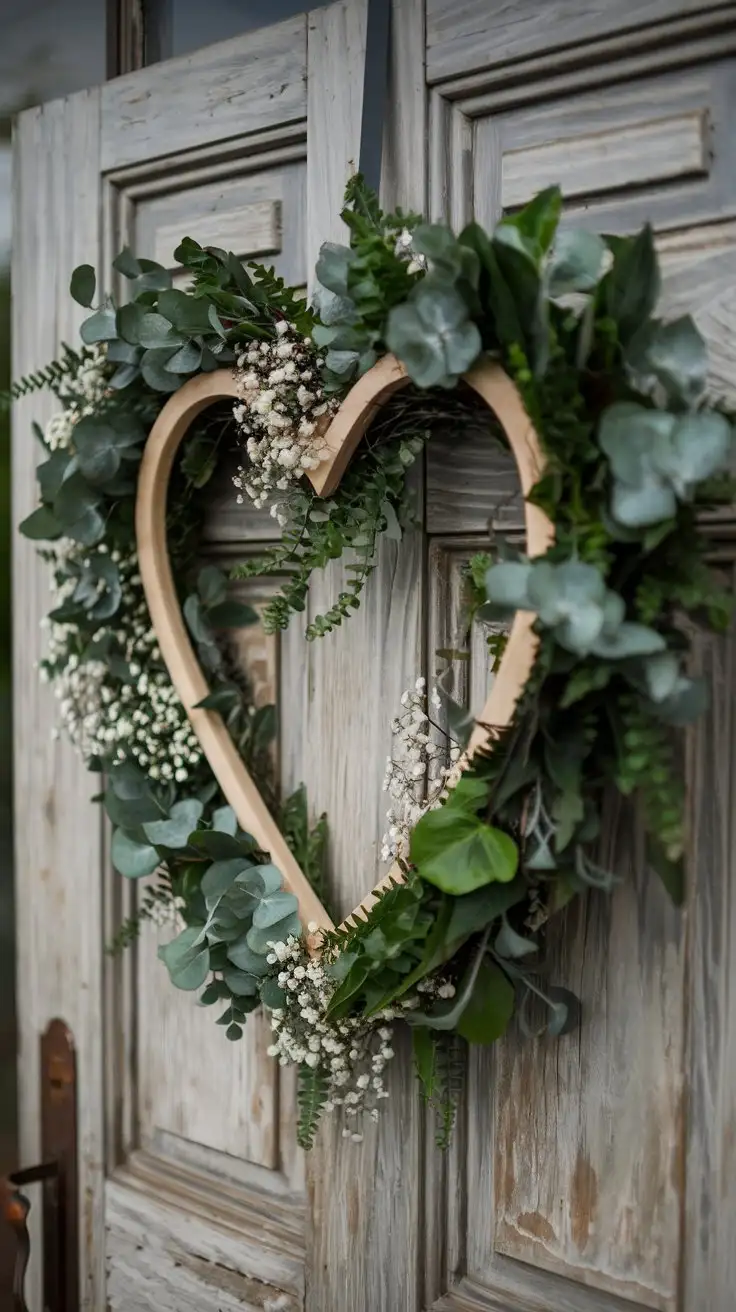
(175, 831)
(83, 285)
(433, 335)
(243, 956)
(41, 525)
(155, 373)
(259, 938)
(99, 327)
(576, 261)
(127, 264)
(187, 959)
(240, 982)
(132, 859)
(675, 353)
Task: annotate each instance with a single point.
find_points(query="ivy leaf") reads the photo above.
(187, 959)
(457, 852)
(474, 911)
(630, 289)
(222, 700)
(533, 228)
(175, 831)
(490, 1006)
(132, 859)
(83, 284)
(196, 622)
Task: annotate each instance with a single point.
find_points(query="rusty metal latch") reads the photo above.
(57, 1174)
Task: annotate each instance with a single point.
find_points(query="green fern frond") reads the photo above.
(311, 1098)
(48, 377)
(390, 902)
(451, 1054)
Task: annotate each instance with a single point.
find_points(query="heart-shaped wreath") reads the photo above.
(493, 826)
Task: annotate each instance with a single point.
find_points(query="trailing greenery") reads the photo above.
(635, 452)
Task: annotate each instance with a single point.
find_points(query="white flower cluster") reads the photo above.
(405, 250)
(81, 393)
(165, 911)
(144, 719)
(416, 773)
(352, 1053)
(281, 414)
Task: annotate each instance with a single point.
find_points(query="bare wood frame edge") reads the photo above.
(347, 428)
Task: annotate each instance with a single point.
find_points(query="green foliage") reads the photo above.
(47, 378)
(311, 1097)
(634, 453)
(454, 849)
(440, 1062)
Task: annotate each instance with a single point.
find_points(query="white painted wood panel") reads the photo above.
(473, 34)
(248, 232)
(637, 153)
(57, 831)
(654, 148)
(228, 89)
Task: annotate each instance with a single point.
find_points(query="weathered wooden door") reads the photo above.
(594, 1172)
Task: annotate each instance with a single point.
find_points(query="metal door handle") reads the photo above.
(58, 1176)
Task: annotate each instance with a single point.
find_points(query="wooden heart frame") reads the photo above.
(348, 426)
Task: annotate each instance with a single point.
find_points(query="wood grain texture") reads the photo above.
(366, 1211)
(57, 832)
(248, 230)
(659, 150)
(472, 35)
(709, 1258)
(336, 59)
(571, 1169)
(226, 90)
(174, 1242)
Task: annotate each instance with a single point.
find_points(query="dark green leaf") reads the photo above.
(490, 1006)
(457, 852)
(232, 615)
(83, 284)
(132, 859)
(41, 525)
(126, 263)
(100, 327)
